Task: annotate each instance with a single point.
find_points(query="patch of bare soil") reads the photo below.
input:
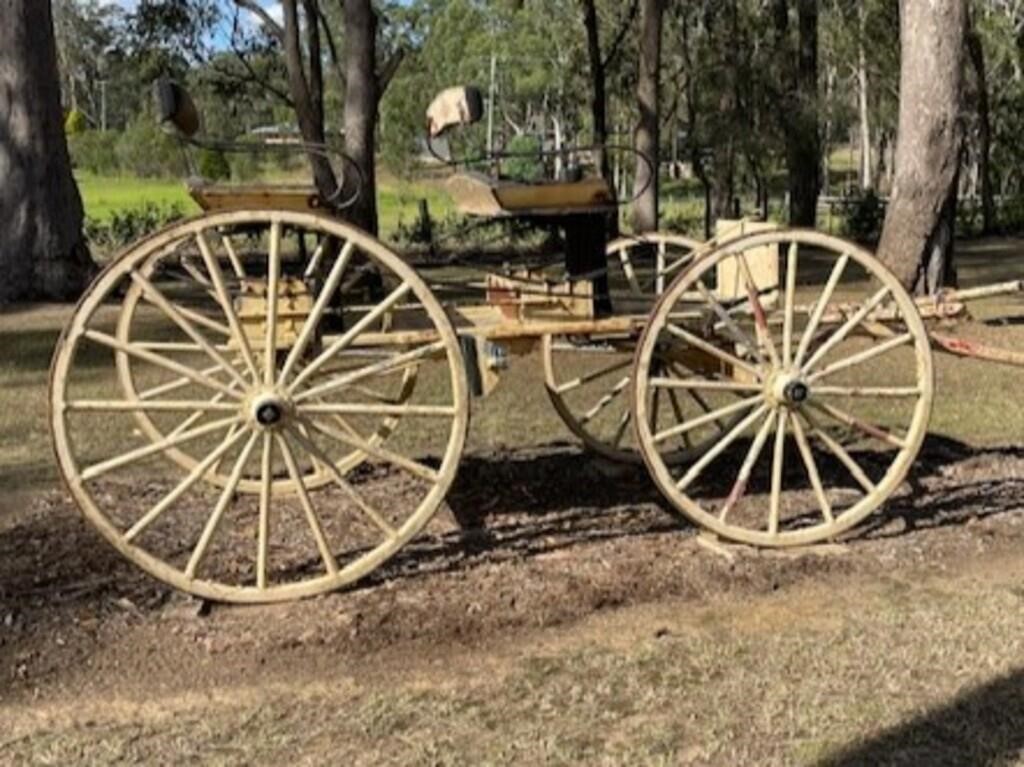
(531, 541)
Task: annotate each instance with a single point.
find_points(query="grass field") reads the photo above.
(885, 664)
(398, 200)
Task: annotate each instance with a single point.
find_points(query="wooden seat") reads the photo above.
(478, 195)
(228, 197)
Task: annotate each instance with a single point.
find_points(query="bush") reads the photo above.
(95, 151)
(146, 151)
(130, 224)
(528, 168)
(75, 123)
(245, 166)
(865, 217)
(213, 165)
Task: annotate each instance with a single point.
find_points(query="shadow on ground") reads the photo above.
(983, 727)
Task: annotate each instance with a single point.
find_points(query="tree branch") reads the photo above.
(332, 45)
(620, 37)
(265, 18)
(389, 70)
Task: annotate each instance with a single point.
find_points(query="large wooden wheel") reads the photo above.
(589, 379)
(823, 360)
(254, 388)
(240, 245)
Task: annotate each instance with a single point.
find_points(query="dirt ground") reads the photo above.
(557, 613)
(431, 662)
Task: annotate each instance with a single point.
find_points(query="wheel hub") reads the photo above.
(789, 390)
(269, 411)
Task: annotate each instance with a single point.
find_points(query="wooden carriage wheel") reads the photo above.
(821, 355)
(283, 386)
(235, 258)
(589, 379)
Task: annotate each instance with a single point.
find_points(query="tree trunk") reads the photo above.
(598, 84)
(988, 202)
(917, 240)
(645, 209)
(43, 255)
(803, 143)
(362, 99)
(307, 90)
(867, 172)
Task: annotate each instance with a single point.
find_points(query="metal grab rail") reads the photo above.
(493, 157)
(343, 176)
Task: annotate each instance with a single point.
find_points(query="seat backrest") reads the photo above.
(175, 107)
(463, 105)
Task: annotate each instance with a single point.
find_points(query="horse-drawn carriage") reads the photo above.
(265, 403)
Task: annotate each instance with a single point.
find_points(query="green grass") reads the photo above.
(398, 200)
(105, 195)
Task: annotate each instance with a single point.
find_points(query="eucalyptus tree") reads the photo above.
(42, 252)
(917, 240)
(648, 132)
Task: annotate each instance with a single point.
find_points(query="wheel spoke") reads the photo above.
(273, 298)
(711, 349)
(866, 356)
(677, 410)
(840, 335)
(603, 403)
(812, 468)
(317, 313)
(760, 316)
(183, 487)
(778, 464)
(720, 447)
(747, 469)
(629, 271)
(226, 496)
(620, 432)
(706, 420)
(378, 369)
(315, 526)
(820, 308)
(138, 406)
(194, 273)
(357, 443)
(583, 380)
(704, 384)
(173, 440)
(655, 405)
(159, 300)
(853, 422)
(372, 514)
(227, 305)
(840, 452)
(792, 266)
(315, 260)
(349, 337)
(266, 495)
(738, 334)
(205, 322)
(159, 360)
(659, 280)
(873, 392)
(236, 263)
(175, 385)
(358, 408)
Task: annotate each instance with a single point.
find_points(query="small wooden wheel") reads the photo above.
(283, 383)
(238, 257)
(822, 357)
(589, 378)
